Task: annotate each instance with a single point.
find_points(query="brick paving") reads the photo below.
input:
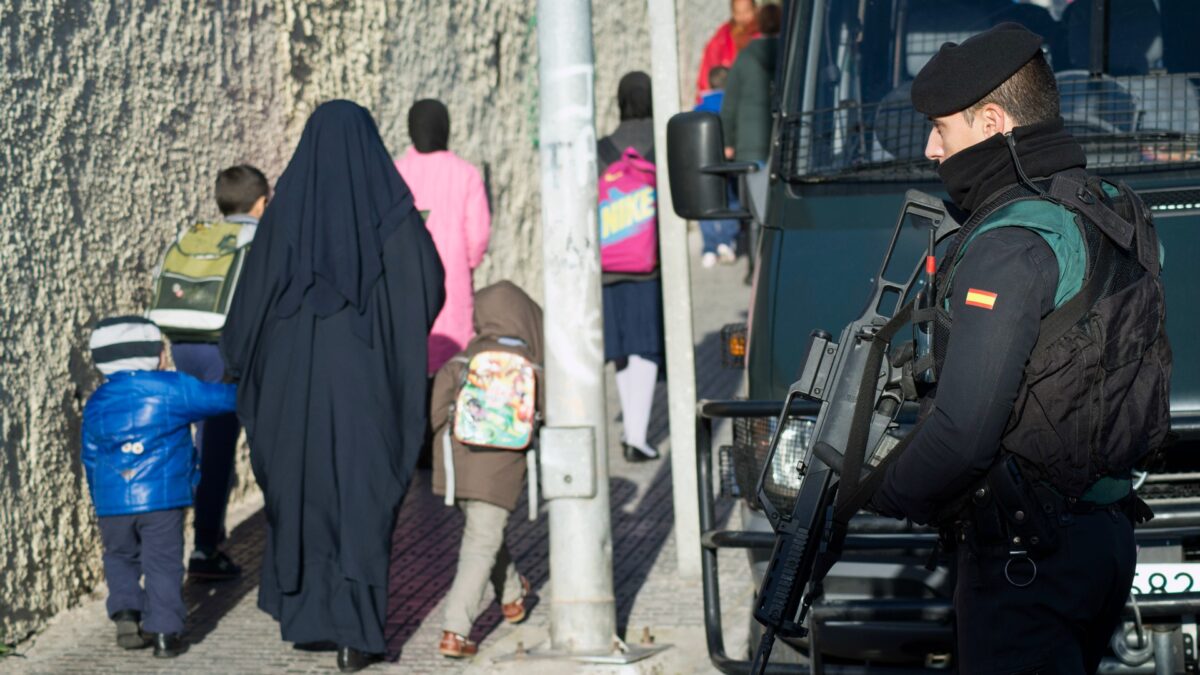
(228, 633)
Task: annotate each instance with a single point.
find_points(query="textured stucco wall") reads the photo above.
(114, 117)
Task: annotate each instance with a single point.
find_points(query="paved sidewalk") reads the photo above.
(230, 634)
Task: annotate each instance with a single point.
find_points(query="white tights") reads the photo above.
(635, 387)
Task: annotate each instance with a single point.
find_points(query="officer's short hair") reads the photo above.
(1030, 95)
(239, 187)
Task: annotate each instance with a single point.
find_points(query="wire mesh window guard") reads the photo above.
(1130, 124)
(849, 113)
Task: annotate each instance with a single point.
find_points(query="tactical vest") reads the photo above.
(1094, 400)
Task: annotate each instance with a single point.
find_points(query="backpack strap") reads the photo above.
(1086, 197)
(1124, 225)
(1147, 238)
(447, 444)
(448, 463)
(466, 362)
(531, 477)
(607, 150)
(1058, 322)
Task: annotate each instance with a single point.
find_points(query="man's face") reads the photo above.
(742, 12)
(952, 133)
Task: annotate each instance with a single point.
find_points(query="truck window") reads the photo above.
(1133, 99)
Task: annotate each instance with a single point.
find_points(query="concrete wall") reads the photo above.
(116, 116)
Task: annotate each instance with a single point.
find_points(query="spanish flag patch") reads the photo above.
(978, 298)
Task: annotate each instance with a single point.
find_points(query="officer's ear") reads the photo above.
(995, 120)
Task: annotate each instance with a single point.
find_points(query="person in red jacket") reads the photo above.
(723, 47)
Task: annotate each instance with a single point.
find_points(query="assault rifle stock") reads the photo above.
(860, 393)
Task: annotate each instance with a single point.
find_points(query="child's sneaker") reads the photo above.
(212, 566)
(129, 632)
(708, 260)
(725, 254)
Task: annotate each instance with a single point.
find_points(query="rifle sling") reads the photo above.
(860, 425)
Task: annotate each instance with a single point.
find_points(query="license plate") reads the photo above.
(1150, 578)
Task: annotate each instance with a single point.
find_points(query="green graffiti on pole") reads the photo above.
(531, 85)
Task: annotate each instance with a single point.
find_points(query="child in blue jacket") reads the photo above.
(141, 469)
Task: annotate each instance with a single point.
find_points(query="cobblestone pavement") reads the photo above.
(229, 634)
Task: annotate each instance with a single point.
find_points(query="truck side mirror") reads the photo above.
(698, 170)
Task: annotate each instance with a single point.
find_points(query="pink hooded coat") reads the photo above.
(460, 224)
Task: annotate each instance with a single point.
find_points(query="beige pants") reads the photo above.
(483, 557)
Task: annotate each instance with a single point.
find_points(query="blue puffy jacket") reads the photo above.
(137, 443)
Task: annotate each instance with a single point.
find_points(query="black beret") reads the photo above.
(961, 74)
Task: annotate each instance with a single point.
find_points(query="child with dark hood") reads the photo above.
(485, 484)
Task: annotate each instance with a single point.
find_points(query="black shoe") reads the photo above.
(318, 646)
(634, 454)
(350, 660)
(129, 633)
(167, 645)
(212, 566)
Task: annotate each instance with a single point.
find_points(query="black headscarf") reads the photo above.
(335, 204)
(429, 125)
(633, 96)
(327, 338)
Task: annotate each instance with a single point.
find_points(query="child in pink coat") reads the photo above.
(451, 191)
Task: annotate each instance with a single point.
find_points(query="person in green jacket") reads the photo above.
(746, 110)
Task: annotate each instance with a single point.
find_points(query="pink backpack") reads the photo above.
(628, 213)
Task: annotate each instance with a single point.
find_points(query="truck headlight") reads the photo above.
(751, 443)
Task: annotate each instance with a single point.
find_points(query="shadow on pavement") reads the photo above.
(209, 601)
(639, 536)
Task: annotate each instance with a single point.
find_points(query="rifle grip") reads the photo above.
(832, 458)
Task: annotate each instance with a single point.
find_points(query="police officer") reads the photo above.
(1052, 367)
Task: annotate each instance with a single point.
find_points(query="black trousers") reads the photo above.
(1060, 623)
(216, 442)
(146, 546)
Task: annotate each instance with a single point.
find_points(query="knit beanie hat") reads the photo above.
(125, 343)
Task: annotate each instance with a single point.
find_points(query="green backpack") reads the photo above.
(196, 280)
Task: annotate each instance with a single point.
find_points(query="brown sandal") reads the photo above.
(456, 646)
(514, 612)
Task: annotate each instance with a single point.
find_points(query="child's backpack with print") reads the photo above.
(628, 211)
(196, 279)
(496, 405)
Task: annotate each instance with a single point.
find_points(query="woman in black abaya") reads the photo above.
(327, 337)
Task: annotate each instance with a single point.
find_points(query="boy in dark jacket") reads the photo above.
(484, 483)
(141, 469)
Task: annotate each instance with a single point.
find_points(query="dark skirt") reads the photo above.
(633, 320)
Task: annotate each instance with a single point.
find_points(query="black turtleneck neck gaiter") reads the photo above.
(980, 171)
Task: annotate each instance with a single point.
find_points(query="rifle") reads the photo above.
(860, 392)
